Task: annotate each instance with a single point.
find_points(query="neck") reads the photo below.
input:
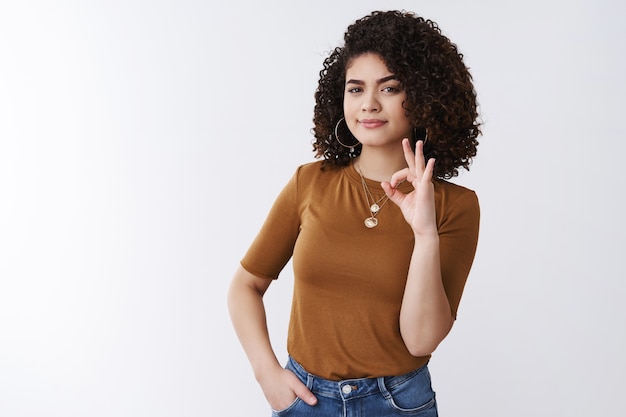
(379, 164)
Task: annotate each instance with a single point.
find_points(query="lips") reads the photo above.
(371, 123)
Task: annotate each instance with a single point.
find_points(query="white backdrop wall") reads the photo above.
(142, 143)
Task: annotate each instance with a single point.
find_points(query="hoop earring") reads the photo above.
(351, 147)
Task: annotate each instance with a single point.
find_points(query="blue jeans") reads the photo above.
(405, 395)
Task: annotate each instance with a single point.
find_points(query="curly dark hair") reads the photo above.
(441, 101)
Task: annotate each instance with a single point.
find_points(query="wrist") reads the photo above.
(265, 370)
(431, 236)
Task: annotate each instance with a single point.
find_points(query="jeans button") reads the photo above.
(346, 389)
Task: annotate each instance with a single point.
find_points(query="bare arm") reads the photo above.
(425, 314)
(247, 312)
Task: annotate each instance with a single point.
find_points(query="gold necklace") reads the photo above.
(374, 207)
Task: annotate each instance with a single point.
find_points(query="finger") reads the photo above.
(428, 171)
(394, 195)
(409, 156)
(419, 160)
(304, 393)
(402, 175)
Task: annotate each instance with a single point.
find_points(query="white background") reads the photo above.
(142, 143)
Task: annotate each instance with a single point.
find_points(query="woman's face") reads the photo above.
(372, 103)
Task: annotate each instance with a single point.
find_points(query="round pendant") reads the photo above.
(371, 222)
(374, 208)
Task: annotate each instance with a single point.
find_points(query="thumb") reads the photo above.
(394, 195)
(304, 393)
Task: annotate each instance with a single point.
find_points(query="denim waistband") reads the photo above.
(348, 388)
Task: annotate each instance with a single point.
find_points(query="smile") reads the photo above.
(371, 123)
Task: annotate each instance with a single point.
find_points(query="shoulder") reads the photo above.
(455, 201)
(451, 192)
(314, 172)
(317, 169)
(312, 178)
(309, 169)
(457, 209)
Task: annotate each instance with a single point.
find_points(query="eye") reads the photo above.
(354, 90)
(390, 89)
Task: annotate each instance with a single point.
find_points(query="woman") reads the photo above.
(377, 285)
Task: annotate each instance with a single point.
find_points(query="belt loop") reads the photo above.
(309, 380)
(383, 387)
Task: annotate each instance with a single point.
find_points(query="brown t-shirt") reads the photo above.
(349, 280)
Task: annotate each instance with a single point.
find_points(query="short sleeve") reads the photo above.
(458, 239)
(273, 246)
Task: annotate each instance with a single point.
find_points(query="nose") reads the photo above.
(370, 103)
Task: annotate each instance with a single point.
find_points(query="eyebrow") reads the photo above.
(380, 81)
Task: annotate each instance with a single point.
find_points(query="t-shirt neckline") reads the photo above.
(374, 186)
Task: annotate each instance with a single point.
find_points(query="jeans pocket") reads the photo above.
(297, 402)
(285, 411)
(412, 393)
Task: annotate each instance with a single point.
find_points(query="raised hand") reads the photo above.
(418, 206)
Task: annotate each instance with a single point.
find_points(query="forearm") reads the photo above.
(425, 315)
(247, 312)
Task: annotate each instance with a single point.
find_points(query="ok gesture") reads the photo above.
(418, 206)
